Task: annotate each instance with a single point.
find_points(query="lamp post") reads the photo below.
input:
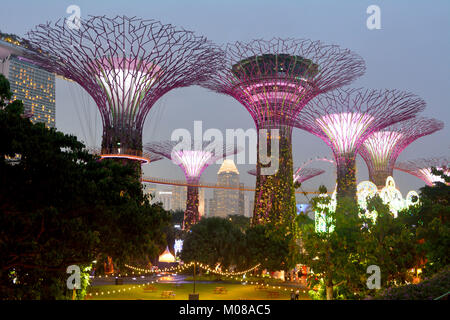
(194, 296)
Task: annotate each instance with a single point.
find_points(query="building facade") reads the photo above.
(28, 82)
(227, 200)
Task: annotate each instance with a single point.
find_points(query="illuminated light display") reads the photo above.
(300, 175)
(126, 65)
(166, 256)
(381, 149)
(389, 194)
(193, 161)
(421, 168)
(345, 129)
(274, 79)
(345, 118)
(392, 196)
(412, 198)
(364, 190)
(323, 222)
(178, 246)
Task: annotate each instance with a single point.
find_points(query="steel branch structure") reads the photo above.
(382, 148)
(193, 161)
(126, 65)
(421, 168)
(301, 174)
(344, 119)
(274, 80)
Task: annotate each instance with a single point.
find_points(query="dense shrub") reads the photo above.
(428, 289)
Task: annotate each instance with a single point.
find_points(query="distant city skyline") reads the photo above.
(411, 52)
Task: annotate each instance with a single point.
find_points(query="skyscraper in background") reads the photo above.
(28, 82)
(227, 200)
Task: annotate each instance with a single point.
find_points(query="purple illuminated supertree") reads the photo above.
(344, 118)
(274, 80)
(421, 168)
(382, 148)
(193, 161)
(301, 174)
(126, 65)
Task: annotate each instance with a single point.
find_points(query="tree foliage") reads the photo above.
(61, 206)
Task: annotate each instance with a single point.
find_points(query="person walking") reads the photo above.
(292, 295)
(297, 294)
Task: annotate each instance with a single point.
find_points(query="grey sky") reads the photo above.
(411, 52)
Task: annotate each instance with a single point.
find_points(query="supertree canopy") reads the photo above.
(382, 148)
(274, 80)
(421, 168)
(344, 119)
(301, 174)
(193, 161)
(126, 65)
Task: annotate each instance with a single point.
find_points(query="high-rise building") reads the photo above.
(179, 198)
(212, 206)
(227, 200)
(29, 83)
(248, 205)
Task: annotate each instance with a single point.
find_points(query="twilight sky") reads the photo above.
(411, 52)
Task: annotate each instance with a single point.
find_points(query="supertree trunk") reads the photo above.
(275, 194)
(118, 141)
(379, 177)
(191, 215)
(346, 179)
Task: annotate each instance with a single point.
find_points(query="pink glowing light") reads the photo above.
(192, 162)
(421, 168)
(429, 177)
(380, 146)
(345, 129)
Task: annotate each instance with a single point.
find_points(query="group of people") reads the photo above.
(295, 295)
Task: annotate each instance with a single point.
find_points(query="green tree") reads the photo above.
(215, 240)
(332, 255)
(240, 221)
(389, 244)
(431, 224)
(61, 206)
(272, 247)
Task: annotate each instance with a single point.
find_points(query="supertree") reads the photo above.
(126, 65)
(344, 118)
(274, 79)
(193, 161)
(300, 175)
(382, 148)
(421, 168)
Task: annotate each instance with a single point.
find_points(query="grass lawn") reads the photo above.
(206, 291)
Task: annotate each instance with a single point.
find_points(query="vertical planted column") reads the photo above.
(191, 214)
(275, 194)
(346, 179)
